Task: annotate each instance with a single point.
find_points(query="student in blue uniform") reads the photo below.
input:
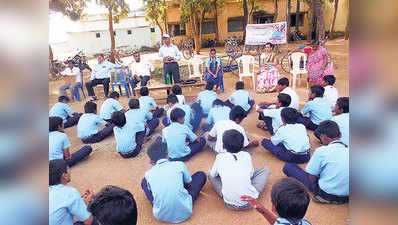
(342, 117)
(214, 71)
(317, 107)
(110, 198)
(87, 128)
(289, 199)
(240, 97)
(206, 98)
(59, 145)
(129, 136)
(137, 115)
(217, 113)
(111, 105)
(63, 110)
(192, 120)
(176, 135)
(169, 187)
(148, 103)
(65, 202)
(327, 172)
(291, 142)
(272, 117)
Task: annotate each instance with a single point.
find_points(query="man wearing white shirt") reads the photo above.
(101, 74)
(170, 55)
(141, 70)
(70, 72)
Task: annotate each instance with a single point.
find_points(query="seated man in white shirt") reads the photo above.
(141, 70)
(72, 80)
(233, 175)
(170, 55)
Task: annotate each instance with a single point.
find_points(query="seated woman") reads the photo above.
(267, 80)
(214, 70)
(318, 65)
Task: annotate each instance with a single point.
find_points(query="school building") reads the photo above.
(230, 18)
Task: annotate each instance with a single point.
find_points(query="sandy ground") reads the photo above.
(106, 167)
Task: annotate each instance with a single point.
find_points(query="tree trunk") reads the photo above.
(347, 29)
(160, 27)
(216, 18)
(297, 15)
(310, 18)
(288, 6)
(202, 18)
(110, 19)
(320, 25)
(50, 56)
(166, 28)
(249, 19)
(194, 30)
(276, 10)
(331, 31)
(245, 17)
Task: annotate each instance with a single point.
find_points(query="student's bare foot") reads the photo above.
(255, 143)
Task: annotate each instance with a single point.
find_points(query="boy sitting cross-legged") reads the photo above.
(63, 110)
(111, 105)
(148, 103)
(138, 115)
(217, 113)
(240, 98)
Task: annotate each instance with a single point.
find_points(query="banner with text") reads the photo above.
(260, 34)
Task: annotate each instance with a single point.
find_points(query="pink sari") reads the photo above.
(315, 63)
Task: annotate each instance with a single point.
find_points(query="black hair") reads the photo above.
(172, 98)
(330, 79)
(209, 85)
(284, 99)
(90, 107)
(315, 42)
(290, 198)
(54, 123)
(57, 167)
(213, 50)
(157, 150)
(100, 54)
(176, 114)
(270, 44)
(289, 115)
(344, 104)
(144, 91)
(318, 90)
(118, 118)
(239, 85)
(283, 82)
(176, 89)
(329, 128)
(218, 102)
(232, 141)
(63, 98)
(110, 198)
(114, 94)
(237, 112)
(134, 103)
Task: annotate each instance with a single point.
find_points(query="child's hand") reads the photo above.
(255, 143)
(260, 110)
(253, 202)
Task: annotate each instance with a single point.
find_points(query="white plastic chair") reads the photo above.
(195, 68)
(295, 59)
(244, 70)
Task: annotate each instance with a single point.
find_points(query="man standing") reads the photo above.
(142, 70)
(101, 74)
(170, 54)
(71, 73)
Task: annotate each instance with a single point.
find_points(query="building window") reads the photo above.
(128, 32)
(209, 27)
(293, 19)
(97, 35)
(177, 29)
(235, 24)
(152, 29)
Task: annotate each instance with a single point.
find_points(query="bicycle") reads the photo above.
(232, 47)
(55, 68)
(187, 48)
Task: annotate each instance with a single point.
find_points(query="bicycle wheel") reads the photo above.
(238, 51)
(186, 53)
(285, 64)
(234, 66)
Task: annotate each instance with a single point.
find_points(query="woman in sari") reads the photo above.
(267, 80)
(317, 64)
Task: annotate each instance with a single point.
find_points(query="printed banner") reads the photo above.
(260, 34)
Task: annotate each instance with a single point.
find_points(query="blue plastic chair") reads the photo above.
(120, 79)
(81, 86)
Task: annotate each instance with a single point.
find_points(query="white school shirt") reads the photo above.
(235, 176)
(220, 127)
(293, 96)
(172, 51)
(293, 136)
(72, 72)
(331, 94)
(181, 99)
(142, 68)
(275, 115)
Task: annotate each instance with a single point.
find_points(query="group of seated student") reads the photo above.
(67, 206)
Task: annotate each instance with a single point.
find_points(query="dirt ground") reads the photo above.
(105, 167)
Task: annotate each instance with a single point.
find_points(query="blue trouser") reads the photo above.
(173, 70)
(293, 170)
(218, 81)
(317, 134)
(283, 154)
(268, 122)
(101, 135)
(197, 183)
(72, 121)
(139, 140)
(230, 105)
(79, 155)
(152, 124)
(306, 121)
(195, 148)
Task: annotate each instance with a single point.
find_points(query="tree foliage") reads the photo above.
(155, 12)
(71, 8)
